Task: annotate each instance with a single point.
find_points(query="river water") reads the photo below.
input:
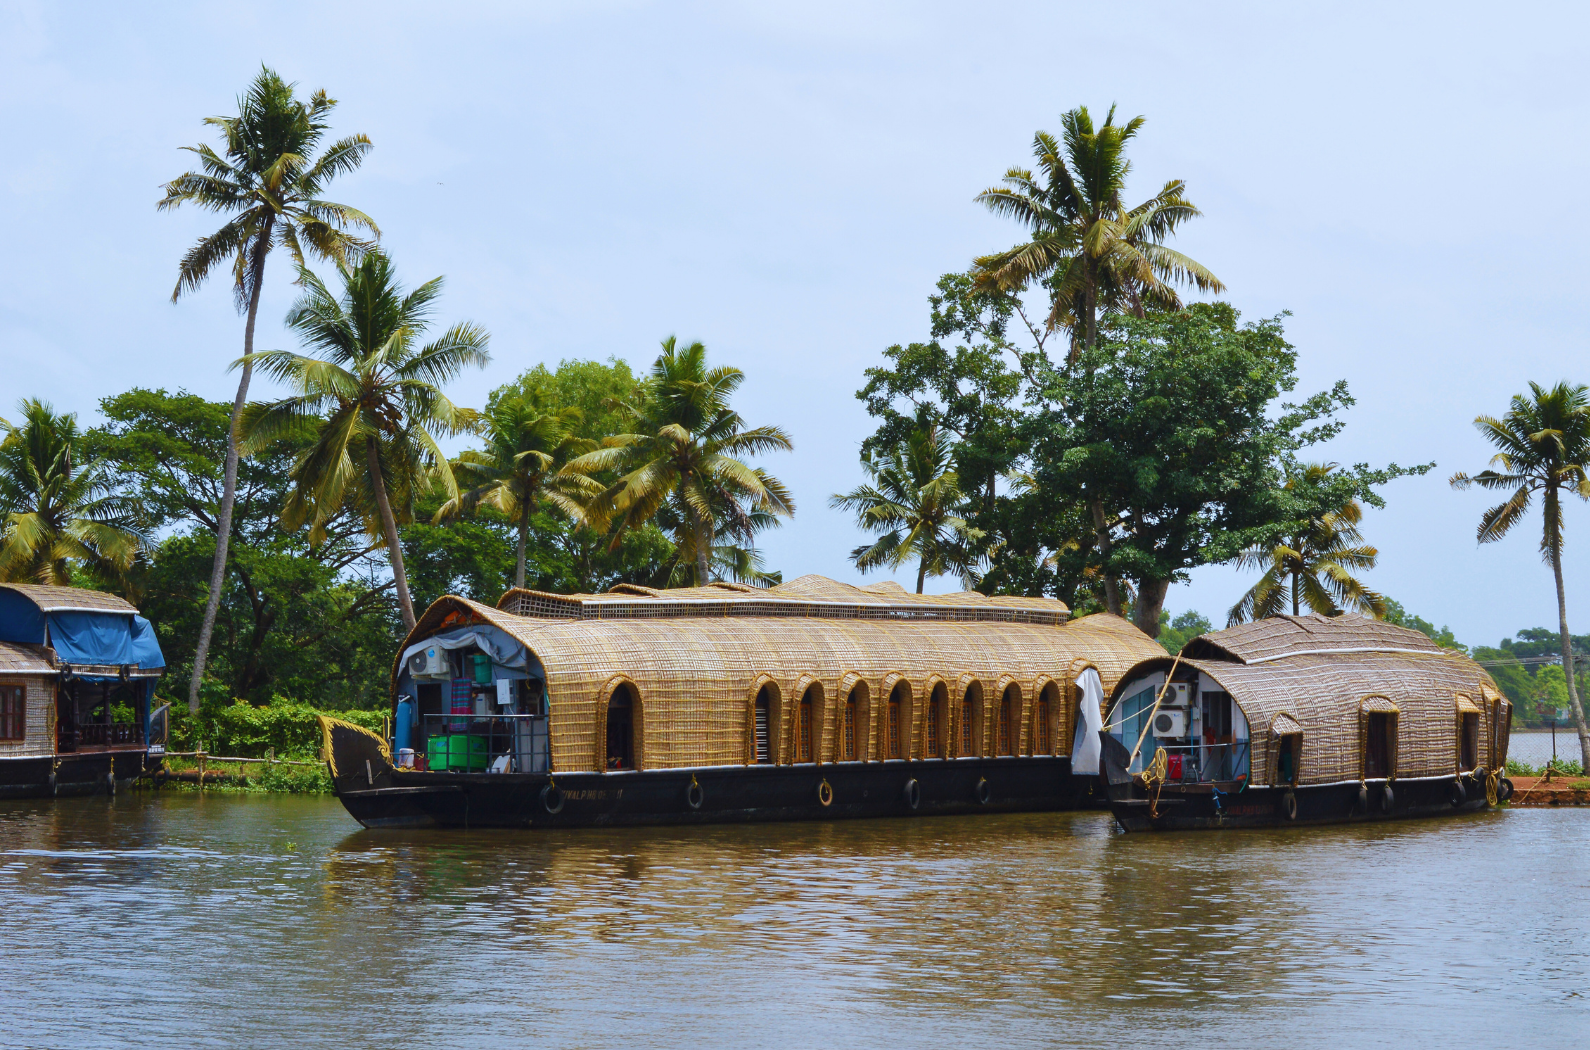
(254, 921)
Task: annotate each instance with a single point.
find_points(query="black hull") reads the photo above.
(63, 776)
(1268, 807)
(390, 798)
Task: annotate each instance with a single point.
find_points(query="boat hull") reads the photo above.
(1268, 807)
(62, 776)
(395, 798)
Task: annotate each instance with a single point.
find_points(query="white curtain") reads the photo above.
(1085, 747)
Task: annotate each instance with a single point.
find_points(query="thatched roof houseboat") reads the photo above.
(1304, 719)
(808, 700)
(77, 677)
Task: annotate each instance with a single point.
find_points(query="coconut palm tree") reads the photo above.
(685, 443)
(60, 511)
(915, 503)
(527, 461)
(1544, 443)
(1092, 252)
(1313, 567)
(375, 400)
(269, 185)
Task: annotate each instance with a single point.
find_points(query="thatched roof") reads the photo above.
(22, 658)
(1279, 636)
(69, 599)
(1318, 675)
(808, 596)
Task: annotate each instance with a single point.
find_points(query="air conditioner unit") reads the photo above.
(1178, 695)
(1170, 722)
(431, 662)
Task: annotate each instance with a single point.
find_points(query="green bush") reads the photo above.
(295, 780)
(1565, 767)
(245, 731)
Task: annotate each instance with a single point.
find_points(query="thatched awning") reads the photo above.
(1284, 725)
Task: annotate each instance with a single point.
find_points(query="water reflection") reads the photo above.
(243, 920)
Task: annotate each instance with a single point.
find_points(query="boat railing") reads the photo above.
(1200, 763)
(92, 735)
(479, 744)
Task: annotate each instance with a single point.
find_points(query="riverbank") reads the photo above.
(1557, 790)
(268, 775)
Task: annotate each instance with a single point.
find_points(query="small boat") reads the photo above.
(1304, 720)
(77, 682)
(806, 701)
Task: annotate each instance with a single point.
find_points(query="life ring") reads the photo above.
(552, 799)
(981, 792)
(1504, 789)
(1289, 805)
(912, 793)
(825, 793)
(1456, 794)
(1387, 799)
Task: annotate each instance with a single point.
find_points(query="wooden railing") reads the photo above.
(99, 735)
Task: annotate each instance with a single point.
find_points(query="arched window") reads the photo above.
(1468, 726)
(803, 729)
(1008, 708)
(764, 749)
(891, 729)
(1378, 726)
(935, 739)
(621, 729)
(969, 722)
(847, 735)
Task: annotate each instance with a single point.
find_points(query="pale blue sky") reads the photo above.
(786, 184)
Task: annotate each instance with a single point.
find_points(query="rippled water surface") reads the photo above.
(251, 921)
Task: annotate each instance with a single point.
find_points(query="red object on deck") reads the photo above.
(1173, 767)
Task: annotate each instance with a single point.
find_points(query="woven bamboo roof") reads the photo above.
(75, 599)
(21, 658)
(808, 596)
(1280, 636)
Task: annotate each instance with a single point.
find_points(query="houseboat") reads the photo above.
(1304, 720)
(77, 680)
(810, 700)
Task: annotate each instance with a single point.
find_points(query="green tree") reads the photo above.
(315, 623)
(684, 442)
(527, 461)
(1173, 425)
(1092, 252)
(1314, 565)
(914, 504)
(1174, 634)
(1442, 636)
(63, 509)
(269, 184)
(1544, 449)
(376, 400)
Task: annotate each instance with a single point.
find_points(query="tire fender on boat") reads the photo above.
(552, 799)
(1363, 798)
(694, 796)
(1387, 799)
(1456, 794)
(1289, 805)
(912, 793)
(825, 793)
(981, 792)
(1504, 789)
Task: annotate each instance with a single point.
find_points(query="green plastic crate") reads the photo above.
(460, 752)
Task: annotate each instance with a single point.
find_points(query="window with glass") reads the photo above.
(13, 712)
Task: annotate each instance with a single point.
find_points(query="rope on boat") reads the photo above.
(1154, 776)
(1149, 724)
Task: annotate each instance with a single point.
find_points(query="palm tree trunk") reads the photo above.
(394, 549)
(703, 546)
(223, 522)
(1567, 657)
(921, 573)
(524, 533)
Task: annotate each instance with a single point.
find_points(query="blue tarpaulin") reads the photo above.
(81, 637)
(98, 638)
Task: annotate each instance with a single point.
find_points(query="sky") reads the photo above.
(786, 182)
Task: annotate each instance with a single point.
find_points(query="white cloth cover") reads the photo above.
(1085, 749)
